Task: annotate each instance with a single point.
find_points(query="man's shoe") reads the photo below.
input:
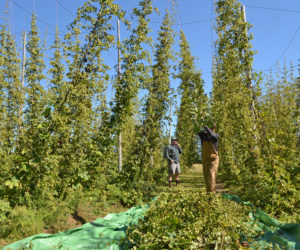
(177, 182)
(170, 184)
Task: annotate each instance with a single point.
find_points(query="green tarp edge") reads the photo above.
(286, 236)
(103, 233)
(107, 232)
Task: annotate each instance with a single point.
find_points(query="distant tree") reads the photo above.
(250, 139)
(11, 91)
(232, 97)
(135, 72)
(280, 123)
(2, 89)
(11, 99)
(86, 78)
(193, 108)
(33, 142)
(157, 100)
(34, 74)
(55, 122)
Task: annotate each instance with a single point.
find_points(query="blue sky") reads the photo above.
(275, 27)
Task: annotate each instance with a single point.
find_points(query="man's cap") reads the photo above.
(174, 139)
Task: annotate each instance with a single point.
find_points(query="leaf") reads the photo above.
(12, 183)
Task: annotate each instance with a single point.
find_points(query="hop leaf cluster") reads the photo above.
(192, 220)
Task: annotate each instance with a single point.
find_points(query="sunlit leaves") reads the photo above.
(193, 110)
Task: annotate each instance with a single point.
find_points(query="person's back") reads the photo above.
(209, 145)
(210, 157)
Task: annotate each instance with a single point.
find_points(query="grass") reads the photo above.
(89, 210)
(192, 179)
(30, 222)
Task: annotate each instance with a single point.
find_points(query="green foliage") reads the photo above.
(5, 209)
(21, 222)
(157, 103)
(279, 125)
(192, 220)
(258, 136)
(62, 142)
(77, 123)
(11, 92)
(135, 72)
(232, 96)
(24, 221)
(134, 75)
(28, 156)
(193, 110)
(34, 68)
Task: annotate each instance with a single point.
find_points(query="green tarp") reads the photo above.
(103, 233)
(285, 236)
(106, 233)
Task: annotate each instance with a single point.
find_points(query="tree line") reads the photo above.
(59, 133)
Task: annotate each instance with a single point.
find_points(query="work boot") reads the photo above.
(170, 184)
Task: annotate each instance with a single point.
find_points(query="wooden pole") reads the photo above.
(249, 84)
(23, 73)
(170, 121)
(120, 164)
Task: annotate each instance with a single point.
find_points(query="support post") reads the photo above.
(249, 84)
(23, 73)
(120, 164)
(170, 121)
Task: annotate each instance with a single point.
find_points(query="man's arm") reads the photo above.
(179, 149)
(167, 154)
(201, 134)
(211, 133)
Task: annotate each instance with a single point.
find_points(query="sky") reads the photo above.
(276, 27)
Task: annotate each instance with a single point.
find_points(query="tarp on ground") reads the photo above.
(103, 233)
(106, 233)
(285, 236)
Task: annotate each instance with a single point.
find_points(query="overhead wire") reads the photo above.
(112, 56)
(212, 27)
(269, 8)
(179, 23)
(12, 15)
(56, 13)
(288, 46)
(40, 19)
(188, 23)
(179, 17)
(66, 9)
(9, 15)
(292, 38)
(29, 13)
